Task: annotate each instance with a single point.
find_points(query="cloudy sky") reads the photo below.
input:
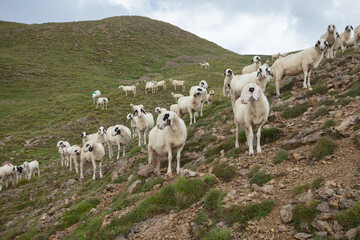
(245, 27)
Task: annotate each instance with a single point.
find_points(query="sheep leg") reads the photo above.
(308, 79)
(100, 165)
(175, 87)
(124, 151)
(201, 113)
(62, 160)
(110, 150)
(250, 136)
(195, 114)
(97, 105)
(191, 116)
(76, 166)
(1, 183)
(7, 182)
(71, 163)
(237, 135)
(118, 151)
(258, 135)
(139, 137)
(125, 93)
(38, 171)
(144, 139)
(81, 168)
(178, 155)
(94, 167)
(169, 160)
(305, 78)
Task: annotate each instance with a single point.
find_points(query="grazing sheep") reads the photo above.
(253, 67)
(103, 102)
(176, 96)
(75, 152)
(174, 108)
(94, 152)
(260, 77)
(190, 104)
(209, 97)
(61, 145)
(161, 84)
(150, 86)
(297, 63)
(203, 84)
(31, 167)
(177, 83)
(356, 37)
(6, 172)
(345, 36)
(133, 122)
(203, 97)
(96, 95)
(251, 111)
(168, 137)
(127, 89)
(159, 110)
(330, 37)
(118, 135)
(144, 123)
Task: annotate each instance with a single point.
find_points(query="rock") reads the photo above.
(321, 234)
(333, 202)
(324, 226)
(199, 134)
(323, 207)
(298, 156)
(269, 189)
(329, 192)
(188, 173)
(302, 236)
(337, 227)
(145, 170)
(305, 227)
(70, 182)
(168, 176)
(351, 234)
(346, 123)
(110, 187)
(286, 213)
(114, 175)
(222, 153)
(133, 186)
(356, 139)
(307, 198)
(324, 216)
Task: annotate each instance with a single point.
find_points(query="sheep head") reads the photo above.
(348, 28)
(88, 147)
(165, 119)
(139, 111)
(102, 131)
(228, 72)
(321, 44)
(255, 59)
(129, 117)
(250, 91)
(331, 28)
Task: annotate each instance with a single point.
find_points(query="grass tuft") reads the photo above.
(258, 177)
(281, 156)
(323, 147)
(293, 112)
(224, 171)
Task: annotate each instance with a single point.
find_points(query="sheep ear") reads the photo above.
(252, 60)
(352, 28)
(256, 93)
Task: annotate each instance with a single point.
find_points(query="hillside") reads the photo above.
(310, 157)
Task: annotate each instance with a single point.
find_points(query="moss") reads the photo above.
(323, 147)
(292, 112)
(281, 156)
(224, 171)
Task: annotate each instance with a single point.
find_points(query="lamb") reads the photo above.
(94, 152)
(66, 153)
(96, 95)
(176, 96)
(7, 171)
(127, 89)
(330, 37)
(203, 97)
(144, 123)
(118, 135)
(20, 171)
(209, 97)
(356, 37)
(161, 84)
(75, 152)
(61, 145)
(160, 110)
(177, 83)
(251, 111)
(190, 104)
(133, 122)
(301, 62)
(103, 102)
(31, 167)
(203, 84)
(168, 137)
(260, 77)
(253, 67)
(345, 36)
(150, 86)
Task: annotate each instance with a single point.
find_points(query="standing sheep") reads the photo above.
(253, 67)
(330, 37)
(7, 171)
(174, 108)
(96, 95)
(93, 152)
(297, 63)
(61, 145)
(118, 135)
(190, 104)
(209, 97)
(356, 37)
(176, 96)
(127, 89)
(160, 110)
(150, 86)
(345, 37)
(168, 137)
(103, 102)
(251, 111)
(177, 83)
(203, 97)
(144, 123)
(204, 84)
(133, 122)
(229, 76)
(31, 167)
(161, 84)
(75, 152)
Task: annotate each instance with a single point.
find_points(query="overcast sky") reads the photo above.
(245, 27)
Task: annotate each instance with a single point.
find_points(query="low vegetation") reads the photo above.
(323, 147)
(259, 177)
(304, 214)
(281, 156)
(224, 171)
(295, 111)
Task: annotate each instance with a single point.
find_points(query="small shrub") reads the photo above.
(258, 177)
(212, 201)
(328, 124)
(301, 188)
(355, 70)
(354, 90)
(201, 217)
(318, 182)
(321, 111)
(210, 180)
(317, 89)
(351, 217)
(323, 147)
(292, 112)
(344, 101)
(303, 213)
(328, 102)
(219, 234)
(224, 171)
(270, 135)
(281, 155)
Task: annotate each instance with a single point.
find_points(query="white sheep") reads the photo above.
(229, 76)
(133, 122)
(337, 45)
(103, 102)
(190, 104)
(168, 137)
(302, 62)
(253, 67)
(150, 86)
(160, 110)
(330, 37)
(118, 135)
(174, 108)
(7, 171)
(75, 152)
(345, 36)
(66, 153)
(144, 123)
(61, 145)
(356, 37)
(204, 64)
(31, 167)
(260, 77)
(176, 96)
(203, 97)
(251, 110)
(177, 83)
(209, 97)
(204, 84)
(127, 89)
(161, 84)
(94, 152)
(96, 95)
(132, 106)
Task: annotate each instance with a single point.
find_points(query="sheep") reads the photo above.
(133, 122)
(103, 102)
(31, 167)
(337, 43)
(356, 37)
(229, 75)
(203, 84)
(96, 95)
(160, 110)
(253, 67)
(174, 108)
(301, 62)
(7, 171)
(260, 77)
(144, 123)
(330, 37)
(204, 64)
(203, 97)
(118, 135)
(177, 83)
(210, 96)
(161, 84)
(127, 89)
(345, 36)
(251, 110)
(168, 137)
(66, 153)
(132, 106)
(20, 171)
(61, 145)
(150, 86)
(94, 152)
(190, 104)
(275, 56)
(176, 96)
(75, 152)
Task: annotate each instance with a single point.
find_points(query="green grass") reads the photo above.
(293, 112)
(219, 234)
(281, 156)
(224, 171)
(323, 147)
(354, 89)
(301, 188)
(321, 111)
(344, 101)
(270, 135)
(328, 124)
(350, 218)
(201, 217)
(317, 89)
(327, 102)
(318, 182)
(212, 202)
(305, 214)
(259, 177)
(149, 185)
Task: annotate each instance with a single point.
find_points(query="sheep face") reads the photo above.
(212, 92)
(321, 44)
(76, 150)
(129, 117)
(88, 147)
(348, 28)
(255, 59)
(121, 86)
(60, 144)
(139, 112)
(158, 110)
(228, 72)
(170, 79)
(84, 135)
(20, 169)
(203, 84)
(264, 71)
(116, 131)
(164, 120)
(331, 28)
(250, 91)
(102, 131)
(26, 165)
